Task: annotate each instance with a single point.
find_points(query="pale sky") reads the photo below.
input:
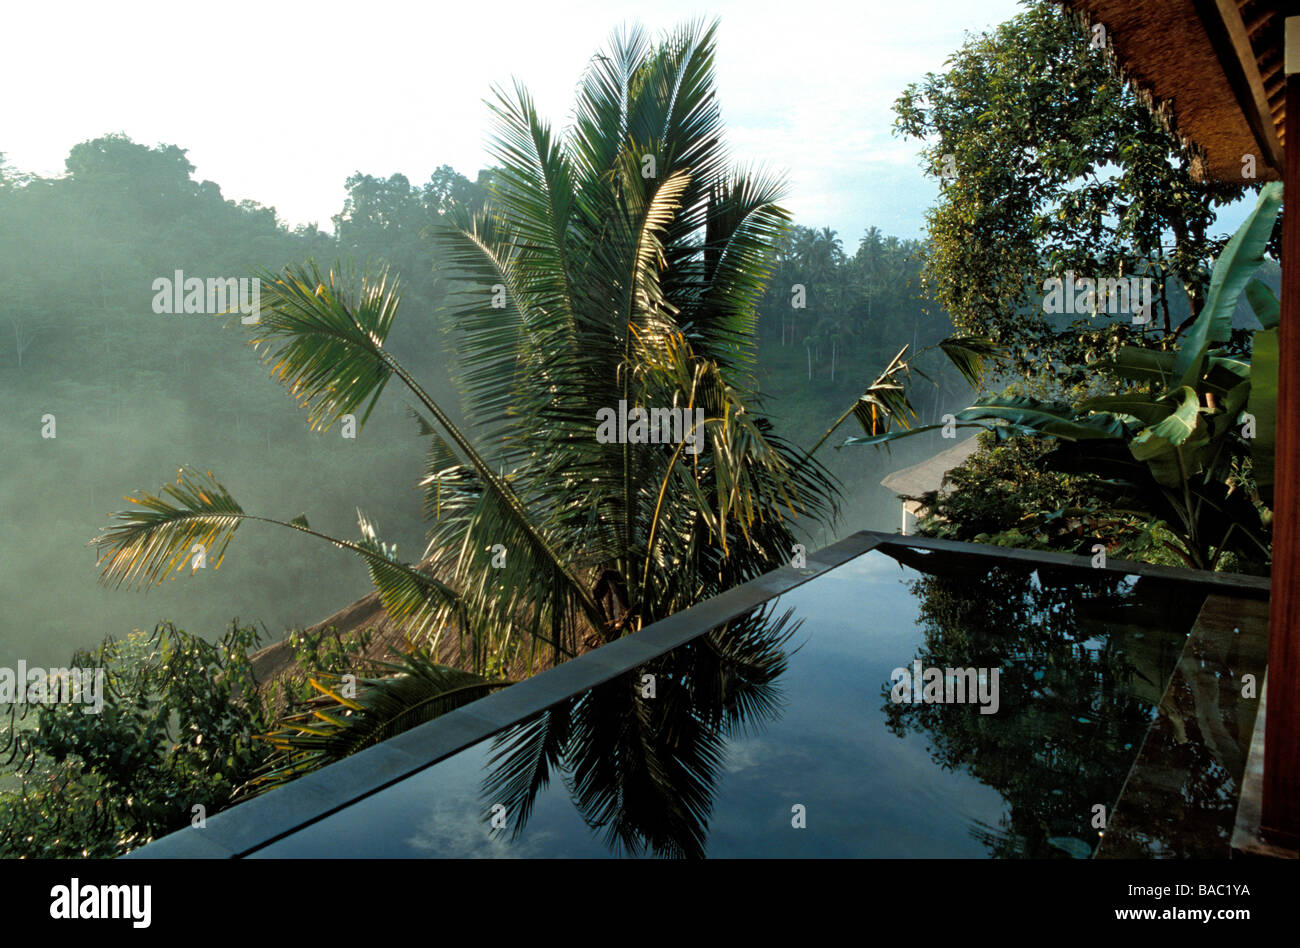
(279, 102)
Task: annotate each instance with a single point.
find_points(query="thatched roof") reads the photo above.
(928, 475)
(1213, 70)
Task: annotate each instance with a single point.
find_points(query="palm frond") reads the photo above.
(156, 537)
(198, 516)
(324, 337)
(970, 356)
(522, 761)
(335, 727)
(414, 600)
(885, 403)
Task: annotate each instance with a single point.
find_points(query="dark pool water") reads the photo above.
(778, 735)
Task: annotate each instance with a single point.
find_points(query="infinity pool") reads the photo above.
(778, 735)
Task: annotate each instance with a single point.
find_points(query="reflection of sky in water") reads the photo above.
(866, 791)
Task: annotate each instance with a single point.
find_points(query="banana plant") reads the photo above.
(1172, 440)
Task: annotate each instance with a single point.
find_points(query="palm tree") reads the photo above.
(619, 263)
(868, 259)
(831, 246)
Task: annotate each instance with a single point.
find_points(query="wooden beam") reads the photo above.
(1257, 24)
(1280, 817)
(1227, 34)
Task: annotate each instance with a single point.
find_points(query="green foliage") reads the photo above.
(334, 725)
(1233, 269)
(853, 308)
(1058, 166)
(185, 723)
(176, 730)
(622, 284)
(315, 654)
(1174, 446)
(1005, 495)
(385, 221)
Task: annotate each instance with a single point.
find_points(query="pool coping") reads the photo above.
(1202, 713)
(254, 824)
(1248, 841)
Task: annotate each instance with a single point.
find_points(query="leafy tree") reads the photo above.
(113, 174)
(176, 731)
(449, 193)
(1050, 163)
(181, 727)
(855, 307)
(1175, 444)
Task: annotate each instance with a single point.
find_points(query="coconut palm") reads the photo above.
(619, 262)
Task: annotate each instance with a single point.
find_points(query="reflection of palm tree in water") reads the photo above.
(640, 756)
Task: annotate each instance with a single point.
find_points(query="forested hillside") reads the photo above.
(134, 394)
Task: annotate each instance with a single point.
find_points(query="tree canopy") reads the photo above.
(1048, 163)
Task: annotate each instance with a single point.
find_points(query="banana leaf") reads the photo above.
(1233, 269)
(1267, 309)
(1183, 426)
(1044, 418)
(1153, 366)
(1144, 408)
(1263, 405)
